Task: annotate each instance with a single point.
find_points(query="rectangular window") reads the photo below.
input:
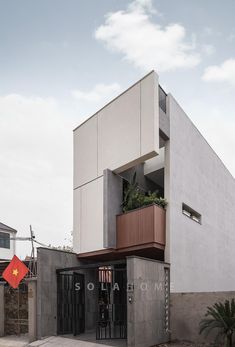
(4, 240)
(189, 212)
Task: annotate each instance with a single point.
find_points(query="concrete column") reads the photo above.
(32, 308)
(2, 315)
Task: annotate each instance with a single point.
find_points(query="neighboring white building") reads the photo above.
(7, 245)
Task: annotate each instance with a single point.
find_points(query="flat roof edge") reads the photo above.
(149, 73)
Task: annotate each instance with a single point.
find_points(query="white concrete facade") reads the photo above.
(119, 136)
(201, 255)
(125, 133)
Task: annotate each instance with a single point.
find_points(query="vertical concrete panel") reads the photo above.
(77, 220)
(2, 318)
(149, 140)
(167, 189)
(85, 152)
(91, 216)
(32, 309)
(146, 303)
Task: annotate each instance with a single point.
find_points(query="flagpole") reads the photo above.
(18, 289)
(32, 260)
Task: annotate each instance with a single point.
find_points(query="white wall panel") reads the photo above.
(149, 115)
(85, 152)
(119, 131)
(88, 217)
(155, 163)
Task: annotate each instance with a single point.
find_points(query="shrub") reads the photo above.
(220, 317)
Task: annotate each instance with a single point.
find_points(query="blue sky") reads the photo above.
(62, 60)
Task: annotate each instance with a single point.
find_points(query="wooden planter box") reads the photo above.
(143, 226)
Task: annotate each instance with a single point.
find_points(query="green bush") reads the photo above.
(134, 197)
(220, 317)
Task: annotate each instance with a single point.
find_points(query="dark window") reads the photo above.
(162, 99)
(189, 212)
(4, 240)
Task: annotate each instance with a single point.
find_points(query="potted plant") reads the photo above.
(134, 197)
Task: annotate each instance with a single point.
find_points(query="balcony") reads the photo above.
(141, 228)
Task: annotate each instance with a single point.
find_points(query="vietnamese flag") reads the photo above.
(15, 272)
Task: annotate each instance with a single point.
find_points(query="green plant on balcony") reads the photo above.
(220, 317)
(134, 197)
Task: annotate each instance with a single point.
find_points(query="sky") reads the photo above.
(61, 60)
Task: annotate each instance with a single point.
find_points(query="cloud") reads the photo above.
(208, 49)
(231, 37)
(221, 73)
(100, 92)
(145, 44)
(36, 167)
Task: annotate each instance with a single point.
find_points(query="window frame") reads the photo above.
(191, 213)
(5, 242)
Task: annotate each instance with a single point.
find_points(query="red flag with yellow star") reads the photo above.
(15, 272)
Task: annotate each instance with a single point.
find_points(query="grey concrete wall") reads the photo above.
(48, 261)
(112, 206)
(187, 310)
(2, 318)
(201, 255)
(146, 313)
(32, 308)
(143, 182)
(164, 124)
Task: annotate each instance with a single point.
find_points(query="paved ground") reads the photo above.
(56, 341)
(14, 341)
(69, 342)
(186, 344)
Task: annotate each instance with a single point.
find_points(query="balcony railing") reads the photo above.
(162, 99)
(141, 227)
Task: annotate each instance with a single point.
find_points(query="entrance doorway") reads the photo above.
(71, 304)
(93, 297)
(112, 308)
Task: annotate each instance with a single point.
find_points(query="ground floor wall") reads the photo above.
(147, 296)
(147, 302)
(48, 261)
(187, 310)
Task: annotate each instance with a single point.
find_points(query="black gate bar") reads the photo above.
(91, 266)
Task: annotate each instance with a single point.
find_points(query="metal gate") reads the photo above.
(112, 304)
(16, 309)
(70, 303)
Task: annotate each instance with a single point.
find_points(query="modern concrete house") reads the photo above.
(147, 275)
(7, 244)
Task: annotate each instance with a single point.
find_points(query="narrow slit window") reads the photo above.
(192, 214)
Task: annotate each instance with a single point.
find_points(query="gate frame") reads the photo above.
(88, 266)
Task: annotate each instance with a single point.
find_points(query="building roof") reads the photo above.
(7, 228)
